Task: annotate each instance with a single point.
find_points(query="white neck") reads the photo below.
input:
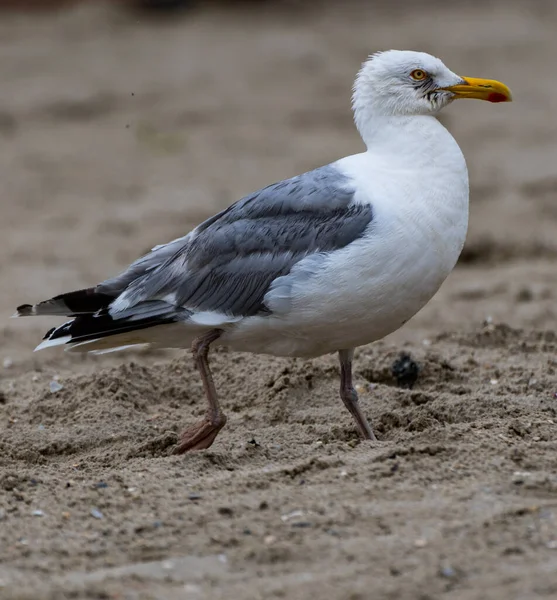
(416, 141)
(415, 163)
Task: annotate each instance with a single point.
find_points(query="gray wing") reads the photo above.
(228, 263)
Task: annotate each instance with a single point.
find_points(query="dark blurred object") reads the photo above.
(148, 5)
(405, 370)
(163, 5)
(35, 4)
(152, 6)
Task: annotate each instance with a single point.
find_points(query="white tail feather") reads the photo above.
(50, 343)
(119, 348)
(111, 343)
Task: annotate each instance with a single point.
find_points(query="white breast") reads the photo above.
(370, 288)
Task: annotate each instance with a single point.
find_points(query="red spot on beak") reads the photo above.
(497, 97)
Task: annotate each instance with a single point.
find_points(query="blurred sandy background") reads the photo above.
(121, 129)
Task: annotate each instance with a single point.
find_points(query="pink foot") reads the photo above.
(200, 436)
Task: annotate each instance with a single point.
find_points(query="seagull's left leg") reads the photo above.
(203, 434)
(350, 397)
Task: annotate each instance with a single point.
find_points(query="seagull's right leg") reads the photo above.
(350, 397)
(203, 434)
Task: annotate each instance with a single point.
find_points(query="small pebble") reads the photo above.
(66, 515)
(447, 572)
(291, 515)
(96, 513)
(269, 539)
(405, 370)
(520, 477)
(494, 381)
(332, 532)
(55, 386)
(524, 294)
(38, 513)
(420, 543)
(7, 362)
(552, 545)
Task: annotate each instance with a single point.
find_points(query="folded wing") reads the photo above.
(225, 266)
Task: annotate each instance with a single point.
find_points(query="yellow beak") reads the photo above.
(482, 89)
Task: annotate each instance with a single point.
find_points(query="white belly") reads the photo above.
(362, 294)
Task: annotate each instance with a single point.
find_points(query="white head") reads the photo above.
(399, 83)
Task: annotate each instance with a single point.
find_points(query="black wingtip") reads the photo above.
(71, 304)
(25, 310)
(49, 333)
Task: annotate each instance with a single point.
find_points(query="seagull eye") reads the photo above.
(418, 74)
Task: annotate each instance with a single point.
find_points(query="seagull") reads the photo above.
(321, 263)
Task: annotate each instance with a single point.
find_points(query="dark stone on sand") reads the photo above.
(405, 370)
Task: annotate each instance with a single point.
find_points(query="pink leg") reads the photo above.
(203, 434)
(350, 397)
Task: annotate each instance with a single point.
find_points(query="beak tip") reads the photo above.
(498, 97)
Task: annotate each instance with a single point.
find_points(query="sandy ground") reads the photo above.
(117, 134)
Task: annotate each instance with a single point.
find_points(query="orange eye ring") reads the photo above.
(418, 74)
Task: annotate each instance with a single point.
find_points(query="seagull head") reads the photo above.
(406, 83)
